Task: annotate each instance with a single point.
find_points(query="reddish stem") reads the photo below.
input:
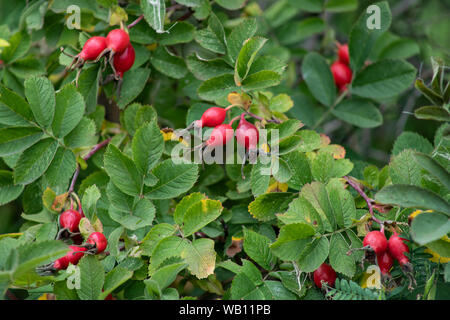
(135, 22)
(355, 186)
(86, 157)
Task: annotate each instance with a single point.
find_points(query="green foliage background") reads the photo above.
(389, 132)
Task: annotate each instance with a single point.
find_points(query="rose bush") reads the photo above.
(95, 96)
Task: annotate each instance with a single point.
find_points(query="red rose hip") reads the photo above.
(124, 61)
(92, 48)
(397, 248)
(343, 53)
(70, 220)
(376, 240)
(385, 262)
(220, 135)
(326, 274)
(98, 241)
(117, 40)
(342, 74)
(247, 134)
(212, 117)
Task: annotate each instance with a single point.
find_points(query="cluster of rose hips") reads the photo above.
(386, 251)
(69, 222)
(116, 46)
(340, 69)
(246, 133)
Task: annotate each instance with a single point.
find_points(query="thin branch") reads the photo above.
(355, 186)
(85, 158)
(135, 22)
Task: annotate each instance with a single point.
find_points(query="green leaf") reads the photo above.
(69, 110)
(342, 203)
(8, 190)
(432, 113)
(301, 171)
(83, 135)
(92, 277)
(204, 69)
(411, 140)
(318, 78)
(339, 259)
(167, 274)
(34, 161)
(133, 83)
(185, 203)
(181, 32)
(362, 39)
(359, 112)
(200, 214)
(154, 14)
(16, 139)
(261, 80)
(341, 5)
(200, 257)
(156, 234)
(14, 110)
(217, 87)
(122, 171)
(384, 79)
(41, 97)
(314, 254)
(246, 57)
(231, 4)
(141, 215)
(281, 103)
(266, 206)
(88, 85)
(403, 169)
(433, 167)
(259, 181)
(147, 146)
(256, 246)
(61, 169)
(324, 167)
(168, 64)
(400, 49)
(19, 44)
(291, 241)
(35, 254)
(90, 198)
(174, 179)
(245, 30)
(429, 226)
(412, 197)
(296, 31)
(115, 278)
(208, 39)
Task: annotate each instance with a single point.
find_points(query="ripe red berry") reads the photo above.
(220, 135)
(385, 262)
(98, 241)
(397, 248)
(70, 220)
(343, 53)
(247, 134)
(326, 274)
(124, 61)
(117, 40)
(92, 48)
(376, 240)
(212, 117)
(73, 256)
(61, 263)
(342, 74)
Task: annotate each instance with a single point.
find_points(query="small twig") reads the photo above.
(135, 22)
(367, 199)
(85, 158)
